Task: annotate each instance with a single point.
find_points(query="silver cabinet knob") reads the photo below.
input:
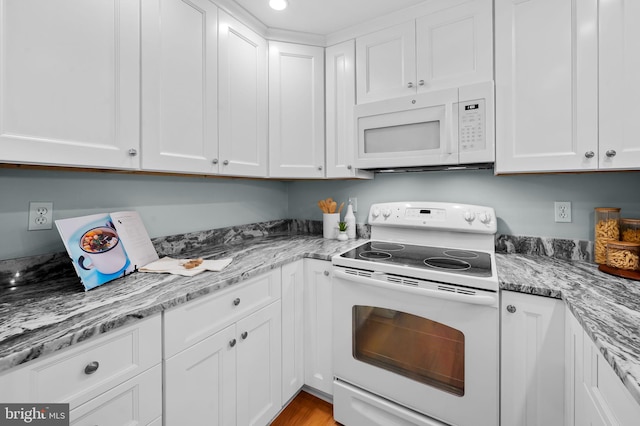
(421, 83)
(92, 367)
(410, 85)
(511, 309)
(326, 273)
(320, 168)
(611, 153)
(232, 343)
(225, 162)
(133, 152)
(236, 301)
(244, 335)
(589, 154)
(214, 161)
(349, 167)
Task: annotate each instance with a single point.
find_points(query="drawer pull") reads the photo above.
(236, 302)
(92, 367)
(232, 343)
(511, 309)
(244, 335)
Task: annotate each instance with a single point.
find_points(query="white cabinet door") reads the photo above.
(135, 402)
(242, 103)
(386, 63)
(179, 86)
(259, 366)
(200, 382)
(318, 312)
(546, 85)
(340, 101)
(455, 46)
(292, 329)
(296, 110)
(70, 83)
(532, 358)
(619, 40)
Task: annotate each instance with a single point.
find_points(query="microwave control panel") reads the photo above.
(471, 125)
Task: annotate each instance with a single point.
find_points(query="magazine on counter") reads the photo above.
(106, 246)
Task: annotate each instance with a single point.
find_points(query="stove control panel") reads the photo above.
(434, 215)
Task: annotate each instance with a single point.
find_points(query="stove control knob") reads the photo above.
(386, 213)
(375, 212)
(485, 218)
(469, 216)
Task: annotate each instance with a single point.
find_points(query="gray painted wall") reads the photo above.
(172, 205)
(168, 205)
(523, 203)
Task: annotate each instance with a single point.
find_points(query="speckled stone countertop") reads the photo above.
(607, 307)
(56, 314)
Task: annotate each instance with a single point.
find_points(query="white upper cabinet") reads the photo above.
(70, 83)
(242, 102)
(546, 85)
(296, 111)
(449, 47)
(179, 86)
(619, 50)
(340, 100)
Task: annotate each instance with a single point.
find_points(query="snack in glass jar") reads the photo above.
(607, 228)
(630, 230)
(623, 255)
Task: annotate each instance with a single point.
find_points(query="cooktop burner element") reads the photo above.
(374, 255)
(461, 254)
(447, 263)
(384, 246)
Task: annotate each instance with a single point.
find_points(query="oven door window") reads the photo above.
(415, 347)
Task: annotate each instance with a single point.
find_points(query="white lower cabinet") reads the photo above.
(595, 395)
(318, 318)
(292, 329)
(532, 360)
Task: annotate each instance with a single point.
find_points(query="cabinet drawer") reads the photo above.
(190, 323)
(137, 401)
(66, 377)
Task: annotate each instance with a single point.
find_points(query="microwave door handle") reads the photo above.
(417, 291)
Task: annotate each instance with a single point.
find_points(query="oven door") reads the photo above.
(433, 351)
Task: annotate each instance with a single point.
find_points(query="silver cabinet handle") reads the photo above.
(326, 273)
(232, 343)
(236, 301)
(589, 154)
(214, 161)
(349, 167)
(244, 335)
(410, 85)
(511, 308)
(133, 152)
(92, 367)
(225, 162)
(610, 153)
(320, 168)
(421, 83)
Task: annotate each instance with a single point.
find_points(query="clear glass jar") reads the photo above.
(607, 228)
(623, 255)
(630, 230)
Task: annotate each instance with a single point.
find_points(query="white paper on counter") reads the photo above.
(168, 265)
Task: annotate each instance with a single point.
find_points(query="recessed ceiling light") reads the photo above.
(278, 4)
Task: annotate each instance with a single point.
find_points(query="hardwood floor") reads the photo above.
(306, 410)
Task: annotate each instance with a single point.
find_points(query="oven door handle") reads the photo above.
(424, 292)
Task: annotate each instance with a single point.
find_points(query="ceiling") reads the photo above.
(322, 16)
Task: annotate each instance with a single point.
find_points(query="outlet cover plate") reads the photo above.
(562, 211)
(40, 215)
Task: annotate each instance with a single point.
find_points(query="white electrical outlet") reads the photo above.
(562, 211)
(40, 215)
(354, 203)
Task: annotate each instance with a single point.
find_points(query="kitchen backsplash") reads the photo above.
(33, 269)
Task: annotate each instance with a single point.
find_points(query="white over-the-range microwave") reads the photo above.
(436, 128)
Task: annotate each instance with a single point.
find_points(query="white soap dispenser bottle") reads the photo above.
(350, 218)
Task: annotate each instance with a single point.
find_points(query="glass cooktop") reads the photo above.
(457, 261)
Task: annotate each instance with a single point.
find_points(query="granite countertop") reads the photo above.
(40, 319)
(607, 307)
